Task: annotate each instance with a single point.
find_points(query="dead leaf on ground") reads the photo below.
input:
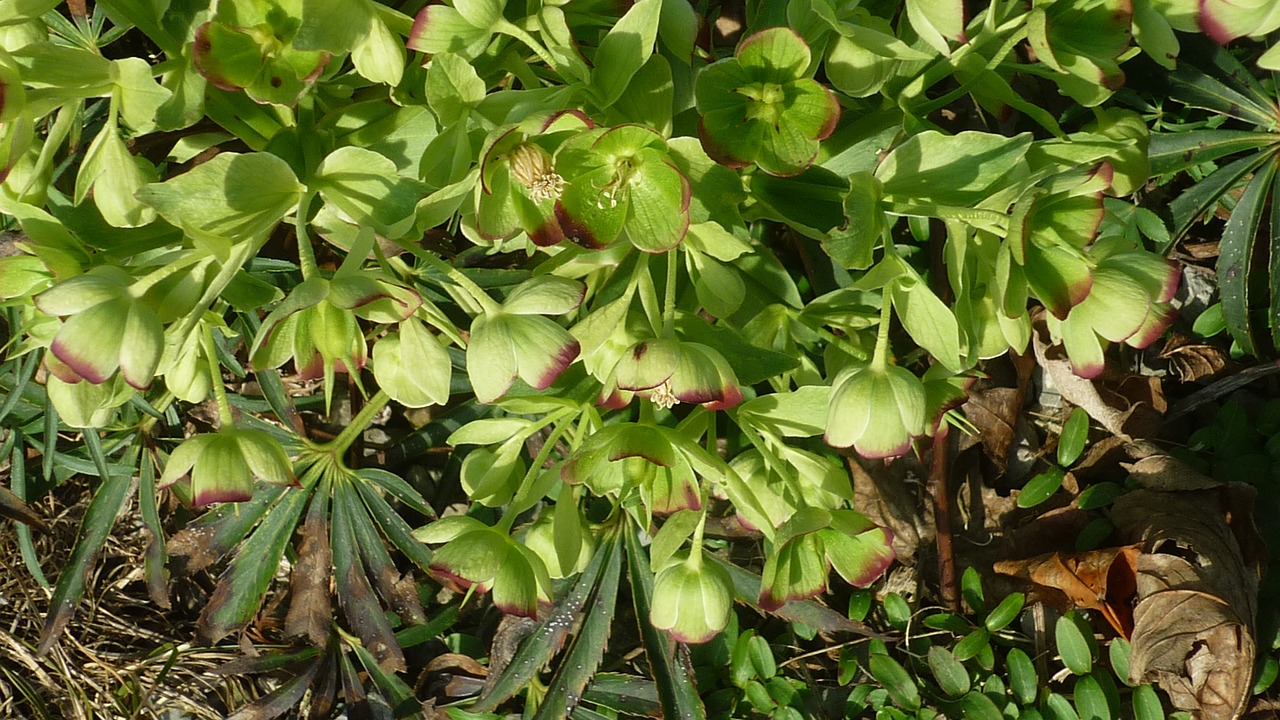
(1192, 361)
(995, 410)
(1197, 595)
(311, 603)
(1121, 417)
(1101, 580)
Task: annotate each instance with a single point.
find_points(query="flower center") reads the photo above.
(615, 191)
(663, 396)
(531, 167)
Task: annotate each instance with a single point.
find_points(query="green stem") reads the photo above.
(225, 414)
(880, 356)
(695, 545)
(535, 469)
(476, 292)
(306, 254)
(338, 446)
(146, 282)
(669, 294)
(507, 28)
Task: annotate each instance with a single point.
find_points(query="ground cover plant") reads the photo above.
(465, 358)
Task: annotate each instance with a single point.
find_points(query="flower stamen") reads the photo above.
(531, 166)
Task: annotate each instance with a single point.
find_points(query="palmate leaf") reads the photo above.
(538, 649)
(1236, 259)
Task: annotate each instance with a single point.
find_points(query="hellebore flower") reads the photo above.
(316, 325)
(628, 456)
(757, 107)
(223, 465)
(105, 329)
(622, 180)
(85, 405)
(877, 409)
(812, 542)
(412, 366)
(519, 185)
(666, 371)
(515, 340)
(480, 557)
(1128, 303)
(694, 599)
(249, 46)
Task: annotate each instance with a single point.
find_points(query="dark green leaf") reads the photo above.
(624, 693)
(1006, 612)
(1075, 433)
(1118, 650)
(1177, 151)
(1023, 679)
(971, 588)
(1197, 200)
(950, 673)
(1041, 487)
(107, 503)
(1058, 707)
(351, 581)
(977, 706)
(1236, 259)
(973, 644)
(1146, 704)
(1090, 700)
(155, 565)
(1075, 650)
(896, 611)
(1099, 495)
(393, 525)
(895, 679)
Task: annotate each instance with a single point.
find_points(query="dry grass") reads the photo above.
(121, 656)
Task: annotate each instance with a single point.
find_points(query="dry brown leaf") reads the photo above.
(311, 603)
(1077, 390)
(1101, 580)
(1197, 595)
(1192, 361)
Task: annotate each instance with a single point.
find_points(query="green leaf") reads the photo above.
(17, 12)
(107, 503)
(1192, 204)
(238, 196)
(351, 578)
(902, 689)
(1236, 260)
(801, 413)
(1099, 495)
(1024, 681)
(977, 706)
(958, 170)
(671, 536)
(973, 644)
(971, 588)
(453, 88)
(896, 611)
(1006, 612)
(1041, 487)
(625, 50)
(243, 585)
(1176, 151)
(951, 674)
(1090, 699)
(115, 177)
(365, 189)
(929, 321)
(1146, 704)
(333, 25)
(1059, 708)
(1075, 434)
(1118, 650)
(1073, 647)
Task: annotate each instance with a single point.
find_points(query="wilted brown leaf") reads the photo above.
(994, 411)
(1197, 595)
(1102, 580)
(311, 603)
(1192, 361)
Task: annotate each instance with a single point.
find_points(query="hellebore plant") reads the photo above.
(812, 542)
(476, 557)
(761, 107)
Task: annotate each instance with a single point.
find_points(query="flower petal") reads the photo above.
(141, 346)
(542, 348)
(221, 473)
(89, 341)
(265, 458)
(491, 358)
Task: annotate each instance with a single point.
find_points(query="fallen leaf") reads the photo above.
(1192, 361)
(1197, 596)
(1101, 580)
(311, 602)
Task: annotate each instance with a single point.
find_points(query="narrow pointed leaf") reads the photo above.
(355, 594)
(1236, 258)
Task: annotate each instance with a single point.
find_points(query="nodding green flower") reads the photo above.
(105, 328)
(480, 557)
(519, 183)
(1128, 302)
(812, 542)
(877, 409)
(666, 372)
(630, 457)
(758, 107)
(693, 599)
(249, 46)
(222, 466)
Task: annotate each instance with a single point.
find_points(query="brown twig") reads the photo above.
(940, 491)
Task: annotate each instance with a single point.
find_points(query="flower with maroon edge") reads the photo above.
(759, 107)
(666, 372)
(476, 556)
(222, 466)
(519, 184)
(694, 599)
(648, 459)
(812, 542)
(877, 409)
(106, 328)
(1129, 302)
(516, 340)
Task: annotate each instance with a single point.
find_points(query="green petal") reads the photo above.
(647, 364)
(89, 342)
(775, 55)
(860, 559)
(850, 409)
(491, 358)
(586, 215)
(141, 346)
(82, 292)
(545, 295)
(658, 206)
(1083, 347)
(717, 86)
(473, 558)
(731, 139)
(542, 348)
(515, 589)
(1116, 306)
(184, 458)
(265, 458)
(221, 473)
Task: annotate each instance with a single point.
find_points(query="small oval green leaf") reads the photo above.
(1041, 487)
(1023, 679)
(1090, 701)
(972, 644)
(1006, 612)
(977, 706)
(902, 689)
(1072, 645)
(1146, 704)
(949, 672)
(896, 611)
(1075, 433)
(1119, 650)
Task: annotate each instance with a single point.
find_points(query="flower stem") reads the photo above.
(476, 292)
(338, 446)
(225, 415)
(880, 356)
(669, 294)
(306, 254)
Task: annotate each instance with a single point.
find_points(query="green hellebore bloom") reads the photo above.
(514, 340)
(412, 366)
(695, 600)
(813, 541)
(666, 372)
(222, 466)
(758, 106)
(485, 559)
(249, 46)
(85, 405)
(629, 456)
(105, 328)
(877, 410)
